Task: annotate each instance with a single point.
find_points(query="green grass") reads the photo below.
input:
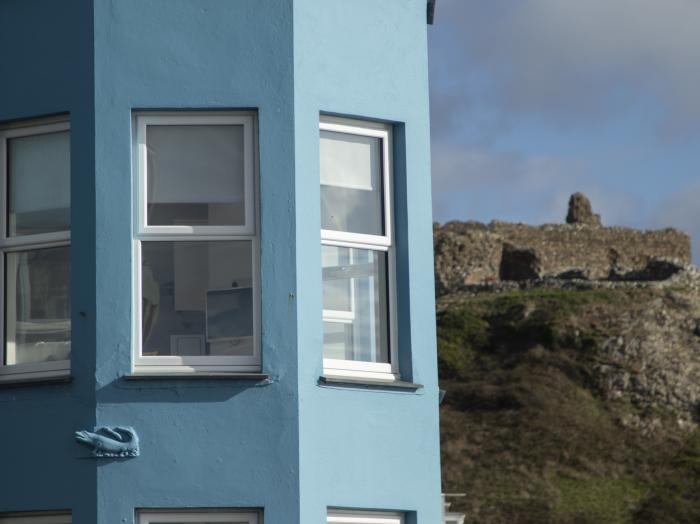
(483, 328)
(597, 500)
(524, 432)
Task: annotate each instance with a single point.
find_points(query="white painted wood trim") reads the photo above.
(357, 369)
(334, 367)
(341, 238)
(384, 133)
(35, 370)
(364, 517)
(143, 232)
(198, 517)
(247, 120)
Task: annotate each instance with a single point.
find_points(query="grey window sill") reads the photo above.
(26, 379)
(369, 382)
(153, 375)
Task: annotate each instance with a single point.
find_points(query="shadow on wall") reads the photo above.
(178, 390)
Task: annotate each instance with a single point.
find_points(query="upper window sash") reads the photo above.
(197, 517)
(364, 517)
(142, 228)
(382, 132)
(29, 130)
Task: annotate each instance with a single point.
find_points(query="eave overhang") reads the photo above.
(431, 11)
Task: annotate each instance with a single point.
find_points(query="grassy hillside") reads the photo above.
(530, 430)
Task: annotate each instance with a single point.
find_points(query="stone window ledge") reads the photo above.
(35, 379)
(368, 383)
(155, 375)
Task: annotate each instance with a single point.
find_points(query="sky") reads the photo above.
(532, 100)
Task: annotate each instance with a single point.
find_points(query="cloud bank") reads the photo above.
(569, 61)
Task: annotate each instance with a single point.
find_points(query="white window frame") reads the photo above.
(193, 233)
(196, 517)
(32, 370)
(37, 518)
(364, 517)
(383, 243)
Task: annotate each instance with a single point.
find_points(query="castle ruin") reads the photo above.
(471, 252)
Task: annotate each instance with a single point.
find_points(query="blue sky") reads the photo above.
(533, 100)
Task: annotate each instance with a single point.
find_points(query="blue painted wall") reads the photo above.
(292, 446)
(46, 67)
(203, 443)
(367, 448)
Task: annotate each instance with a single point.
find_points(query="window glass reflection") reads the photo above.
(37, 298)
(197, 298)
(355, 304)
(38, 184)
(195, 175)
(351, 183)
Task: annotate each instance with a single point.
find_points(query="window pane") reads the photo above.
(197, 298)
(351, 183)
(195, 175)
(337, 294)
(355, 309)
(37, 324)
(38, 184)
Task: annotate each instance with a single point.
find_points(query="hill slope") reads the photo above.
(573, 402)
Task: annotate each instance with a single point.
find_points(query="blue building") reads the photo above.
(217, 258)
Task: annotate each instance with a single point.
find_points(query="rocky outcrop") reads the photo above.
(581, 211)
(645, 336)
(471, 252)
(573, 400)
(570, 357)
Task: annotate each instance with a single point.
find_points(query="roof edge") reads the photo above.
(431, 11)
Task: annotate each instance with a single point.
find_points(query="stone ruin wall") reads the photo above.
(472, 252)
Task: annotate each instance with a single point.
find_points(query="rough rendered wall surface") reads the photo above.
(471, 252)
